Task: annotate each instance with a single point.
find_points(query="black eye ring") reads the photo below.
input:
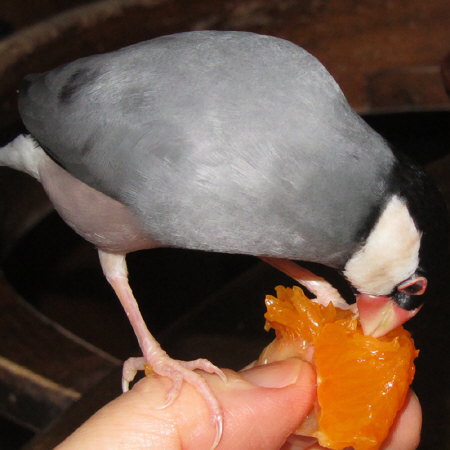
(416, 286)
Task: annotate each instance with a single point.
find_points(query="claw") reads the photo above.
(219, 432)
(179, 371)
(173, 393)
(129, 371)
(206, 366)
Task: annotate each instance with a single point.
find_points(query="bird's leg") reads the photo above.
(115, 269)
(318, 286)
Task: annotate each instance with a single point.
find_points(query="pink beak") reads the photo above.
(379, 314)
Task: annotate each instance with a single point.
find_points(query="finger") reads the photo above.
(405, 433)
(262, 407)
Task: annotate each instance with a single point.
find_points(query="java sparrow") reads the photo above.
(228, 142)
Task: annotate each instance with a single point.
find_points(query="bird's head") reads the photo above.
(402, 254)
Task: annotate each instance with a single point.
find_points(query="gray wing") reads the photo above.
(223, 141)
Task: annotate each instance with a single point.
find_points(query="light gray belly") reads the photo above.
(99, 219)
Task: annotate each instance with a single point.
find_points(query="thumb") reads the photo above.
(262, 406)
(286, 394)
(266, 404)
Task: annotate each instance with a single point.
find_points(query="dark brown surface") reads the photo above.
(43, 367)
(77, 413)
(445, 72)
(23, 204)
(361, 43)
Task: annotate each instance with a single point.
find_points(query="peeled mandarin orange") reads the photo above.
(362, 381)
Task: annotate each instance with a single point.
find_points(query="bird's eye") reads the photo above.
(416, 286)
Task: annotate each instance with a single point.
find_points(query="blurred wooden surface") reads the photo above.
(43, 367)
(384, 54)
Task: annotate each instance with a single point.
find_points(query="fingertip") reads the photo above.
(405, 433)
(272, 402)
(280, 374)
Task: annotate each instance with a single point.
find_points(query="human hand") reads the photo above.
(262, 407)
(404, 434)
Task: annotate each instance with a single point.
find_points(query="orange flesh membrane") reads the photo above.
(362, 382)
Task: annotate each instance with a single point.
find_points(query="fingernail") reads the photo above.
(275, 375)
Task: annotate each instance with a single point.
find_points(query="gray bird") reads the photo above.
(228, 142)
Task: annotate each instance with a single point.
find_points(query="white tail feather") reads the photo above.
(23, 154)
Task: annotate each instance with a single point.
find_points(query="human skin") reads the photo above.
(262, 407)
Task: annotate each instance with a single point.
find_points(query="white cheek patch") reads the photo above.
(389, 256)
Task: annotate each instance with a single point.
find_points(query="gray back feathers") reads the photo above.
(225, 141)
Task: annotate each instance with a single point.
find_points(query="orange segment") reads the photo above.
(293, 314)
(362, 381)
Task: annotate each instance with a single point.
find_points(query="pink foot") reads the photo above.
(179, 371)
(324, 291)
(115, 270)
